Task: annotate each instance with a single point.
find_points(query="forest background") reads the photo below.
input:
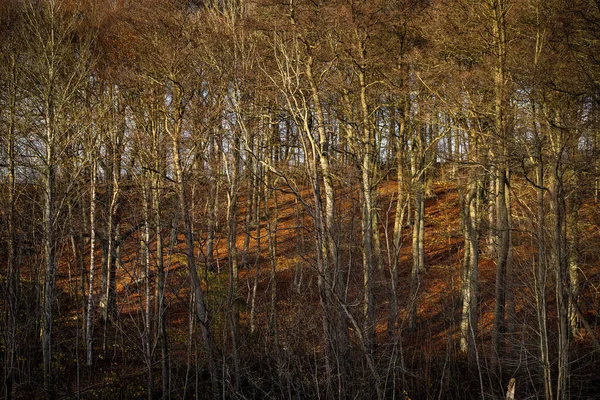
(299, 199)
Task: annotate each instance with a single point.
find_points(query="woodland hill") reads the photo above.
(382, 199)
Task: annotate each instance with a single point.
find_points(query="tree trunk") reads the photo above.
(13, 268)
(108, 302)
(398, 224)
(573, 260)
(253, 306)
(331, 275)
(418, 248)
(180, 188)
(562, 284)
(469, 286)
(213, 203)
(501, 231)
(541, 282)
(89, 329)
(258, 193)
(540, 271)
(147, 341)
(272, 221)
(161, 307)
(367, 210)
(50, 251)
(233, 315)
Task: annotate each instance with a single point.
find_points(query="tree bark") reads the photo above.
(89, 329)
(49, 249)
(13, 268)
(541, 274)
(233, 313)
(501, 231)
(562, 284)
(398, 222)
(331, 273)
(469, 287)
(418, 248)
(367, 211)
(181, 188)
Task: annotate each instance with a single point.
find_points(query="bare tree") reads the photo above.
(10, 78)
(498, 10)
(59, 65)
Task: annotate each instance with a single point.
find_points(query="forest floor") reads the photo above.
(299, 329)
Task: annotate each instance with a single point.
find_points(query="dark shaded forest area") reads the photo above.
(300, 199)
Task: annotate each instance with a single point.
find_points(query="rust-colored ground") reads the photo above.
(299, 327)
